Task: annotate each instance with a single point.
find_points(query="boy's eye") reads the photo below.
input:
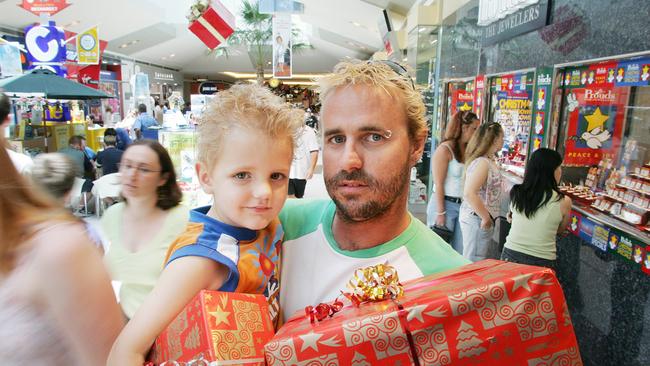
(277, 176)
(374, 137)
(338, 139)
(241, 175)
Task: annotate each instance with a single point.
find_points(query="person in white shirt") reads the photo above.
(304, 161)
(22, 162)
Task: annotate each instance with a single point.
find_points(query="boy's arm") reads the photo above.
(179, 282)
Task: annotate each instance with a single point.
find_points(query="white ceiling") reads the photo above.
(339, 29)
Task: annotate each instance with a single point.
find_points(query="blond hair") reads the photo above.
(245, 106)
(482, 141)
(54, 173)
(380, 74)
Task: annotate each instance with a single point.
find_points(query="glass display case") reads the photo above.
(605, 141)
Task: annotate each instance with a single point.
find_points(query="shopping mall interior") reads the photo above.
(524, 235)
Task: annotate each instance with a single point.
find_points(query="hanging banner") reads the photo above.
(282, 57)
(595, 127)
(45, 47)
(88, 47)
(40, 7)
(10, 64)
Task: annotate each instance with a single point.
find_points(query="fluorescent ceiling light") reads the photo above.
(249, 75)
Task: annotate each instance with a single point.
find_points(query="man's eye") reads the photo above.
(242, 175)
(277, 176)
(374, 137)
(337, 139)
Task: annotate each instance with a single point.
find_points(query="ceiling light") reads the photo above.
(124, 45)
(268, 63)
(250, 75)
(163, 58)
(72, 24)
(134, 41)
(115, 63)
(201, 79)
(356, 24)
(172, 55)
(300, 82)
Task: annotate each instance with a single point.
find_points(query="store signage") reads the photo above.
(541, 107)
(633, 73)
(163, 76)
(208, 88)
(39, 7)
(609, 239)
(479, 93)
(45, 47)
(519, 17)
(88, 47)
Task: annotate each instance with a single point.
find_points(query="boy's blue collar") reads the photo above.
(200, 215)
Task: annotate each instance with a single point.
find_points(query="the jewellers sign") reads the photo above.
(504, 19)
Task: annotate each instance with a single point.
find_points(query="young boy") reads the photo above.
(245, 148)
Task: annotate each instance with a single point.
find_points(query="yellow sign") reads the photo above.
(88, 47)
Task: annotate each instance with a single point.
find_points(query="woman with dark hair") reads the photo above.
(482, 193)
(141, 228)
(448, 168)
(57, 306)
(539, 212)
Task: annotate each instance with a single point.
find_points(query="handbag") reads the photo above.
(443, 232)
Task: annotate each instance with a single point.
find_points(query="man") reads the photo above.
(22, 162)
(75, 151)
(374, 131)
(143, 121)
(110, 157)
(304, 161)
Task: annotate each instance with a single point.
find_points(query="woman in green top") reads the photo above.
(141, 229)
(539, 212)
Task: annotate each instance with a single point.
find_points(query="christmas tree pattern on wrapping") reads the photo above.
(469, 344)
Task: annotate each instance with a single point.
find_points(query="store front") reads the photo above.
(578, 83)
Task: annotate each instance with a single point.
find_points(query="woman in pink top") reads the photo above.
(482, 193)
(57, 306)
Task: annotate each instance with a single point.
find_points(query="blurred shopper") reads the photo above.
(109, 158)
(539, 212)
(57, 306)
(482, 193)
(304, 161)
(54, 173)
(158, 112)
(141, 228)
(143, 121)
(448, 169)
(22, 162)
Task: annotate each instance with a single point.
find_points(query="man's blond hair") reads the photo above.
(245, 106)
(380, 75)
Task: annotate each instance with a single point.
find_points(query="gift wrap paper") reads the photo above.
(485, 313)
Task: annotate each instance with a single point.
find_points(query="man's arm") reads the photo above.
(313, 155)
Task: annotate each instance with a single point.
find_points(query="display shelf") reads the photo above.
(640, 232)
(626, 202)
(633, 189)
(638, 176)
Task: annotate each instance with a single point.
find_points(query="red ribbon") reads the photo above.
(322, 310)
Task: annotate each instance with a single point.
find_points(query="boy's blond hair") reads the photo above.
(245, 106)
(380, 75)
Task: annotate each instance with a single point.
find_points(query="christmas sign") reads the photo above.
(39, 7)
(595, 124)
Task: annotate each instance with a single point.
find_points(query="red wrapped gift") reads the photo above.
(485, 313)
(217, 326)
(214, 26)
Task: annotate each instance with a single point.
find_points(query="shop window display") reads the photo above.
(605, 139)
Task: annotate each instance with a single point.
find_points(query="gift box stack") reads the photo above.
(211, 22)
(217, 326)
(486, 313)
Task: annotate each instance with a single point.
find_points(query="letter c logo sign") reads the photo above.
(43, 43)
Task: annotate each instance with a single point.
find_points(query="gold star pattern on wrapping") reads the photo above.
(220, 316)
(596, 119)
(416, 313)
(208, 297)
(310, 340)
(522, 281)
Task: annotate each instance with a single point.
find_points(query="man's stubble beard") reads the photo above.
(384, 194)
